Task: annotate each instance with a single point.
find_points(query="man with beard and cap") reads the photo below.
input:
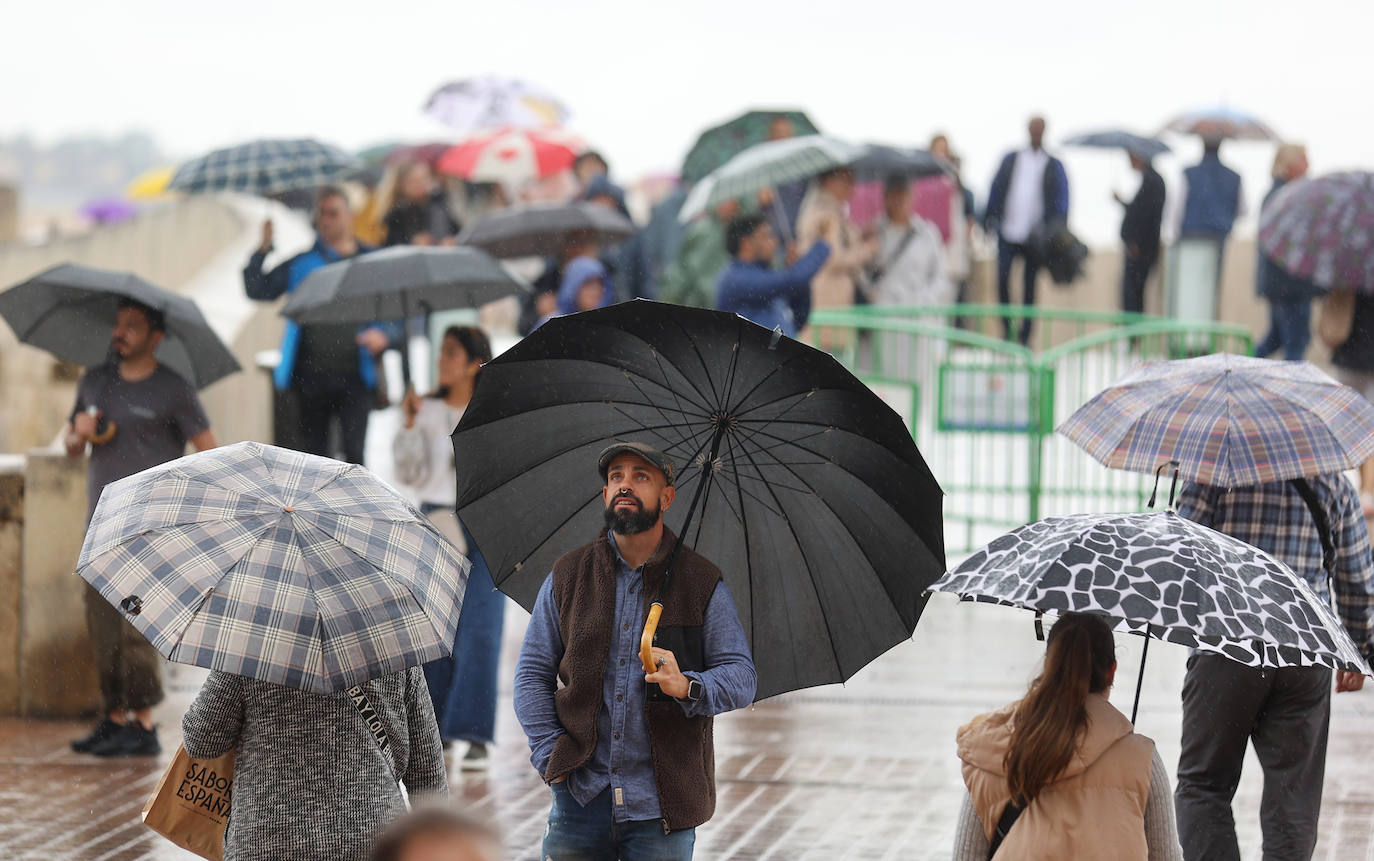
(138, 413)
(629, 756)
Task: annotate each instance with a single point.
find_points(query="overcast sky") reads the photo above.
(642, 78)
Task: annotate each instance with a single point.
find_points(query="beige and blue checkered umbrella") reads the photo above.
(1227, 420)
(284, 567)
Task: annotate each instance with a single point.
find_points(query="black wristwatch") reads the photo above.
(694, 690)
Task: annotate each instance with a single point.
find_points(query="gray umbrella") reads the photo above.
(530, 231)
(880, 161)
(69, 311)
(394, 283)
(1132, 143)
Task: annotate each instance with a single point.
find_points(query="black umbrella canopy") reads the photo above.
(540, 230)
(820, 511)
(397, 282)
(880, 161)
(69, 310)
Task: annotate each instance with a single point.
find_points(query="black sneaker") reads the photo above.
(102, 731)
(130, 740)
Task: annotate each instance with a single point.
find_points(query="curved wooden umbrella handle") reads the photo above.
(646, 640)
(106, 435)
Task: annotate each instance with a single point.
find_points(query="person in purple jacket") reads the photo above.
(750, 286)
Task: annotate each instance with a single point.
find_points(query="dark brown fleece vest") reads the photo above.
(584, 592)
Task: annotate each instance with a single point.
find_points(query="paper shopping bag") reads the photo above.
(190, 806)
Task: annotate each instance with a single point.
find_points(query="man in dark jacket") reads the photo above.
(328, 367)
(1140, 228)
(1212, 201)
(1029, 196)
(629, 755)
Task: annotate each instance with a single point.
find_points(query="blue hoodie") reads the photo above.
(577, 272)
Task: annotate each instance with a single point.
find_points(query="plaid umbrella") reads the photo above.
(280, 566)
(511, 155)
(1322, 230)
(1164, 576)
(768, 165)
(265, 167)
(1221, 122)
(1228, 420)
(719, 144)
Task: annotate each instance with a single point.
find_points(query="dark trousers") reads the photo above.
(1290, 329)
(1006, 253)
(1285, 713)
(590, 833)
(1133, 278)
(321, 399)
(128, 666)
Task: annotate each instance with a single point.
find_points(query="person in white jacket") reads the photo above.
(910, 267)
(463, 686)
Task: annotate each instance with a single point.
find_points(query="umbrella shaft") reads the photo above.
(1140, 678)
(706, 470)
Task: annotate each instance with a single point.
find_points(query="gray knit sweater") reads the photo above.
(310, 781)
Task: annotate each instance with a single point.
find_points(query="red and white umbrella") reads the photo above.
(511, 155)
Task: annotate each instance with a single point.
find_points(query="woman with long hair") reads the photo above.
(463, 686)
(416, 208)
(1061, 773)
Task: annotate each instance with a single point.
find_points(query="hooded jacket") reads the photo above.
(1094, 809)
(579, 271)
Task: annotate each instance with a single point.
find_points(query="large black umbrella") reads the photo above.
(807, 490)
(528, 231)
(69, 311)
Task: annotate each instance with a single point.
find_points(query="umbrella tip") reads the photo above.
(288, 509)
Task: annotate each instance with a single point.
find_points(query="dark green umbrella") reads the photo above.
(69, 310)
(719, 144)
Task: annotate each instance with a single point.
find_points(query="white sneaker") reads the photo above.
(476, 758)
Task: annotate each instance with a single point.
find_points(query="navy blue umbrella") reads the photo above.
(1132, 143)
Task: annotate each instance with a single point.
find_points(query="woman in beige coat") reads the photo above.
(825, 215)
(1096, 789)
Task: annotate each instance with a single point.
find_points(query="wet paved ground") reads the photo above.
(865, 771)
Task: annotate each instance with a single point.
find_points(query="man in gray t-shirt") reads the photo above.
(136, 414)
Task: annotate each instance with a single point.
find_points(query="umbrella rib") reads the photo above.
(744, 530)
(734, 366)
(663, 371)
(811, 575)
(826, 502)
(776, 368)
(700, 359)
(652, 404)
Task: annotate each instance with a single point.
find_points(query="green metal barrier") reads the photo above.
(984, 409)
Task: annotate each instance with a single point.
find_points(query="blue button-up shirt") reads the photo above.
(622, 760)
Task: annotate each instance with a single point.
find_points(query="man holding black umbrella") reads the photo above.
(138, 414)
(629, 755)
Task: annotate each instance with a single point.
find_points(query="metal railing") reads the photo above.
(984, 409)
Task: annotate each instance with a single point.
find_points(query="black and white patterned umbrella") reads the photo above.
(1164, 575)
(265, 167)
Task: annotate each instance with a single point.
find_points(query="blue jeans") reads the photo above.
(463, 685)
(1290, 329)
(590, 833)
